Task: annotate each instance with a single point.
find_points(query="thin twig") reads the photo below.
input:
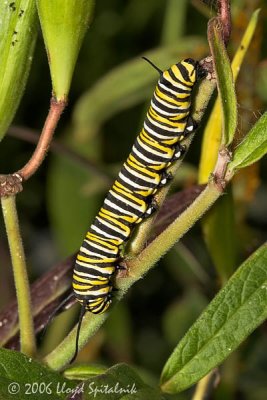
(225, 16)
(32, 136)
(224, 23)
(55, 111)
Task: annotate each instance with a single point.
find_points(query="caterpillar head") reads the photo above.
(198, 70)
(187, 72)
(188, 69)
(181, 76)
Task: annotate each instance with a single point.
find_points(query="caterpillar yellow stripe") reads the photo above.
(130, 199)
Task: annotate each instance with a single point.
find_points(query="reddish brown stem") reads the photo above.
(224, 24)
(56, 109)
(32, 136)
(225, 17)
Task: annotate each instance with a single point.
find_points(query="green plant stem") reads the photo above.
(205, 385)
(156, 249)
(136, 269)
(63, 353)
(27, 338)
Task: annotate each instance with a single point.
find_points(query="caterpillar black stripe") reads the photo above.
(130, 199)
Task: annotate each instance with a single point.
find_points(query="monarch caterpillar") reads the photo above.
(131, 198)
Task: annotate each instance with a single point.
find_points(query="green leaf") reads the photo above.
(224, 80)
(233, 314)
(22, 377)
(84, 371)
(213, 130)
(64, 23)
(18, 32)
(119, 382)
(127, 85)
(253, 147)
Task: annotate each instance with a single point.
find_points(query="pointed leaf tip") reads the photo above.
(63, 23)
(253, 147)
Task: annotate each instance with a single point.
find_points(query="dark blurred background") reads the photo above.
(99, 126)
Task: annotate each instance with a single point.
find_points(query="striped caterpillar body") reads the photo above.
(130, 199)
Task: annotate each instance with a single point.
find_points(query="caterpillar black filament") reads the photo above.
(130, 199)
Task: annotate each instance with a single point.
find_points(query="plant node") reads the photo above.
(10, 185)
